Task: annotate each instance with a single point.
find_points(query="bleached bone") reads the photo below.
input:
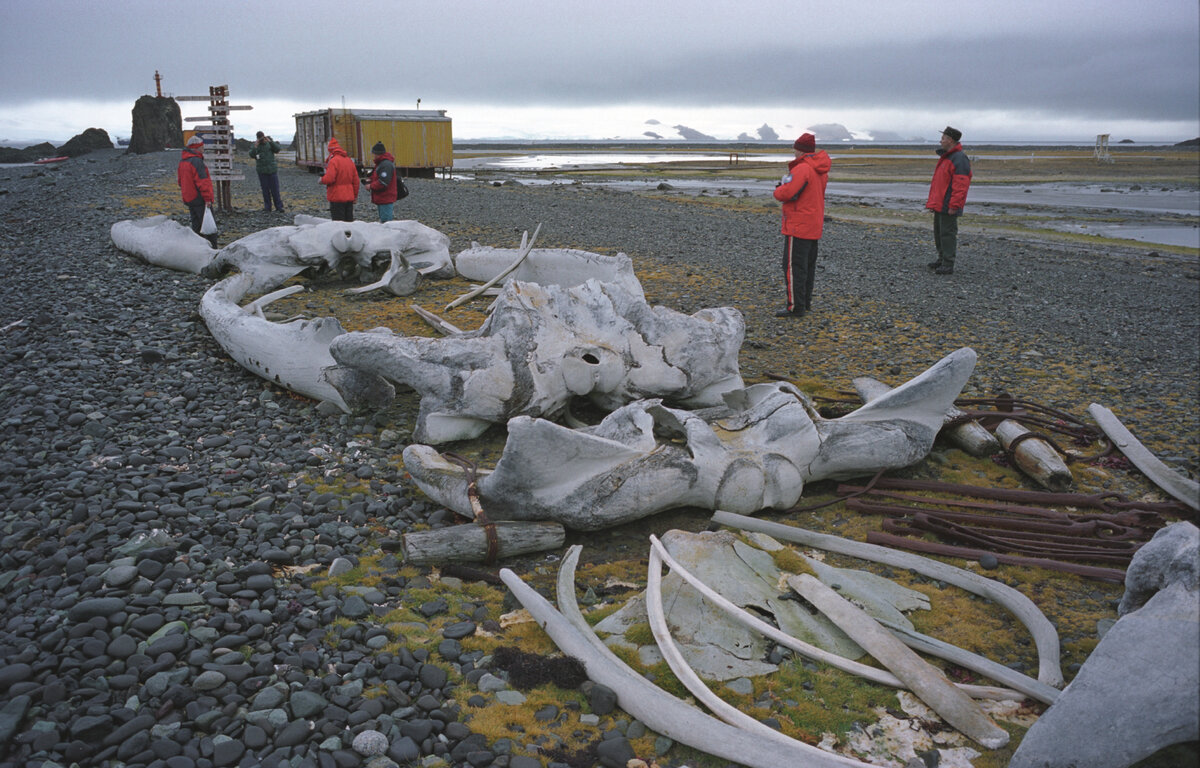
(292, 355)
(874, 674)
(400, 279)
(274, 255)
(542, 346)
(684, 672)
(1045, 637)
(1034, 456)
(971, 436)
(1136, 692)
(549, 266)
(927, 682)
(526, 246)
(657, 709)
(438, 324)
(256, 307)
(757, 452)
(163, 242)
(1183, 488)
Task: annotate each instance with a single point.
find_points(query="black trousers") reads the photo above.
(341, 211)
(799, 272)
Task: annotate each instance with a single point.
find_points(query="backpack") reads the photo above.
(401, 190)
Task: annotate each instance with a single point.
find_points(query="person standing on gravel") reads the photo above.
(341, 183)
(195, 184)
(947, 198)
(264, 150)
(383, 181)
(802, 192)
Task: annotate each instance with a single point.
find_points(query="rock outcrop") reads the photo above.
(157, 125)
(92, 138)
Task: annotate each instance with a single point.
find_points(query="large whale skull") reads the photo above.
(544, 345)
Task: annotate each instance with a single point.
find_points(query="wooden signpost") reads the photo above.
(218, 142)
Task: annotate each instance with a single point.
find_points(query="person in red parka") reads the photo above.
(341, 183)
(383, 181)
(947, 198)
(802, 192)
(195, 184)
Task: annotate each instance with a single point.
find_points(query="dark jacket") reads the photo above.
(951, 180)
(803, 195)
(383, 179)
(264, 156)
(193, 177)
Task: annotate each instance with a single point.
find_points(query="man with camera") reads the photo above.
(263, 152)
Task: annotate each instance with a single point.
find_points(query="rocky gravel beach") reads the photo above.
(166, 542)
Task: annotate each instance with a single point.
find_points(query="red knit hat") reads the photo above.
(806, 143)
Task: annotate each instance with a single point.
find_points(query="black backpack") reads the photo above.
(401, 190)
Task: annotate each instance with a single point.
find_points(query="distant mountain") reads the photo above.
(651, 135)
(691, 134)
(767, 133)
(831, 132)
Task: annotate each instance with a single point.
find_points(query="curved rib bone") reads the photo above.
(659, 710)
(687, 676)
(526, 247)
(1182, 488)
(1045, 637)
(874, 674)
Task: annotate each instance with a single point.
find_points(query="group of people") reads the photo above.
(802, 192)
(341, 180)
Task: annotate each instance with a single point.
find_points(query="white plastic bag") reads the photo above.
(209, 225)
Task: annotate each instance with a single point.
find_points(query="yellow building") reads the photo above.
(419, 139)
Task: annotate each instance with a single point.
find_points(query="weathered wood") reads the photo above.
(971, 436)
(469, 543)
(924, 680)
(1174, 483)
(1035, 457)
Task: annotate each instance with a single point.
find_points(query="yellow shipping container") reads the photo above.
(419, 139)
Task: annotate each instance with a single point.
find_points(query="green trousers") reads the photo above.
(945, 237)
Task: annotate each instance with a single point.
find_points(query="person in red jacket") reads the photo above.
(802, 192)
(947, 198)
(383, 181)
(195, 185)
(341, 183)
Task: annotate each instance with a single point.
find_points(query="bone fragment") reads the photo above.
(686, 675)
(657, 709)
(1174, 483)
(1035, 457)
(874, 674)
(292, 355)
(256, 307)
(526, 247)
(163, 242)
(924, 680)
(1045, 637)
(971, 436)
(438, 324)
(469, 543)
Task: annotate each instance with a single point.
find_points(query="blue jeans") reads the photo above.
(385, 211)
(270, 190)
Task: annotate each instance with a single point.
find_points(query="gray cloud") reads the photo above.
(899, 55)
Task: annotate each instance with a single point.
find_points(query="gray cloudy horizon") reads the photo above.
(1078, 61)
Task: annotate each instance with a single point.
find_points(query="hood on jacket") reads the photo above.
(819, 161)
(943, 152)
(335, 148)
(384, 156)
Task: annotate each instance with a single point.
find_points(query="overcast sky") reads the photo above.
(1013, 70)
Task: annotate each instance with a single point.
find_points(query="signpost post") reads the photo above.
(218, 142)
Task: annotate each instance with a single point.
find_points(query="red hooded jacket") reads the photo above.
(341, 175)
(951, 180)
(803, 196)
(383, 180)
(193, 177)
